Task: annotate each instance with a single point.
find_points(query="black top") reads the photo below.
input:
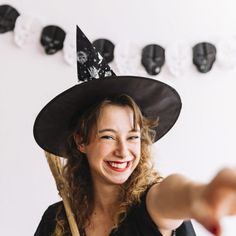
(137, 223)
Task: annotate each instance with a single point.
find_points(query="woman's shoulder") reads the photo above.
(48, 220)
(53, 209)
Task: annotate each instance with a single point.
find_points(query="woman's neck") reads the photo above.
(106, 197)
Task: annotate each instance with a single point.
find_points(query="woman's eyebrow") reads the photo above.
(114, 131)
(134, 131)
(106, 130)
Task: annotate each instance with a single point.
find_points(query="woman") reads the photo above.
(105, 128)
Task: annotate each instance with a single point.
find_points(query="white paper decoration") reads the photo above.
(127, 58)
(27, 30)
(178, 58)
(69, 48)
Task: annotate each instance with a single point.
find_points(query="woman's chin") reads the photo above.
(120, 180)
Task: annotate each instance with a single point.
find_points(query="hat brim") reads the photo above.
(55, 121)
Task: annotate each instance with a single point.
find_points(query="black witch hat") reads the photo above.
(57, 119)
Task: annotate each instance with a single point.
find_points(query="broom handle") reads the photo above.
(70, 216)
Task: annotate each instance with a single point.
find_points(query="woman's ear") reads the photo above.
(79, 144)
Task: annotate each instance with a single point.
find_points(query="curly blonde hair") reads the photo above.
(77, 172)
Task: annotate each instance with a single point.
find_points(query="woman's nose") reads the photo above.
(122, 150)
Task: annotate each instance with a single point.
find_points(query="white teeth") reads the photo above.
(120, 166)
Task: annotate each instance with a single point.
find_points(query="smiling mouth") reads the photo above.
(118, 166)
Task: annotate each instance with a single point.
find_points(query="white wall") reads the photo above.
(202, 140)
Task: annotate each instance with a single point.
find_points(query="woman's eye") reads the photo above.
(107, 137)
(133, 137)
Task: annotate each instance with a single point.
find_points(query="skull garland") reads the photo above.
(106, 48)
(8, 16)
(204, 56)
(153, 58)
(52, 39)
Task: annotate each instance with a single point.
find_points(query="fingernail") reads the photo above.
(214, 230)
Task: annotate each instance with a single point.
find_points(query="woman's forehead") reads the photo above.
(113, 112)
(116, 116)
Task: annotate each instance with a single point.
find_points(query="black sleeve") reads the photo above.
(147, 225)
(186, 229)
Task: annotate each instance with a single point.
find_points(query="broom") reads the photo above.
(55, 165)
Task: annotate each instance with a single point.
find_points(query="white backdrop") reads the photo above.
(201, 142)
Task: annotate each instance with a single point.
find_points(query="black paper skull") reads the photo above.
(52, 39)
(204, 56)
(8, 16)
(106, 48)
(153, 58)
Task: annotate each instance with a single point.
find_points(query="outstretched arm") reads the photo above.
(177, 198)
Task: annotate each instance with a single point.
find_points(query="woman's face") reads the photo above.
(114, 148)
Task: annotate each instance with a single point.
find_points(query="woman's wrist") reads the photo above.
(196, 198)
